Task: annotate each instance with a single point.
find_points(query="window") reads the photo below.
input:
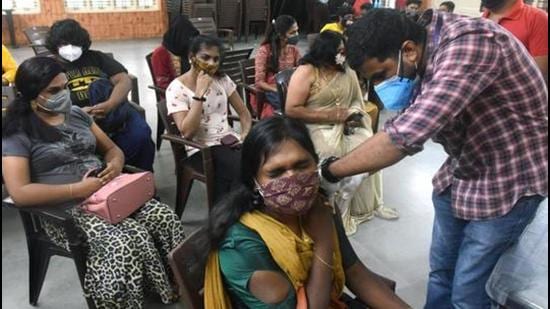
(541, 4)
(109, 5)
(22, 6)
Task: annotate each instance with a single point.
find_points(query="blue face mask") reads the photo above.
(396, 92)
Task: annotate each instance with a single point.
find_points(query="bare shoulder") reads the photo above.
(305, 73)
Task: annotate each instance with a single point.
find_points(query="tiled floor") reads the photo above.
(396, 249)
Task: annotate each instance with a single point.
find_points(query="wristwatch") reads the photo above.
(325, 172)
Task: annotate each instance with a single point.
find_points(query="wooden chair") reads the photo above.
(41, 248)
(204, 10)
(231, 64)
(185, 173)
(159, 95)
(36, 35)
(283, 79)
(250, 91)
(256, 11)
(188, 263)
(230, 14)
(207, 26)
(232, 67)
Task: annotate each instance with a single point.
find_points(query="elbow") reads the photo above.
(20, 199)
(292, 112)
(188, 133)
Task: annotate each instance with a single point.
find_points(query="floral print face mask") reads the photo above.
(291, 195)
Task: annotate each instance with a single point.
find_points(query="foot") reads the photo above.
(386, 213)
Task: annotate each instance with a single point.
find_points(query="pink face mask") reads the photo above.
(291, 195)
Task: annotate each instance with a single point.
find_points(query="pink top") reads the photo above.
(287, 59)
(213, 124)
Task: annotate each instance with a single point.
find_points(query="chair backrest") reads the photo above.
(188, 263)
(257, 10)
(36, 35)
(186, 8)
(8, 95)
(232, 63)
(178, 150)
(148, 59)
(230, 14)
(248, 71)
(205, 25)
(283, 79)
(204, 10)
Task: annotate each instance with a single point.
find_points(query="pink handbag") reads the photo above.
(121, 196)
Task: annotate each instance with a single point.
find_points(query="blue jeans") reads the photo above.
(464, 253)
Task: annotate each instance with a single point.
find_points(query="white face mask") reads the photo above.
(70, 52)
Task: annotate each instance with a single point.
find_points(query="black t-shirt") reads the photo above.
(91, 66)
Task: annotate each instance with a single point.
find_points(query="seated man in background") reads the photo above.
(447, 6)
(100, 85)
(9, 67)
(527, 23)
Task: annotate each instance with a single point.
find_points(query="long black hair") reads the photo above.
(67, 31)
(276, 31)
(33, 75)
(178, 38)
(263, 140)
(203, 41)
(324, 50)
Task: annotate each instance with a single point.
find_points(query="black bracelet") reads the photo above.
(326, 172)
(201, 99)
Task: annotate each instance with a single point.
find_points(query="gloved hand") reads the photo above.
(348, 185)
(328, 187)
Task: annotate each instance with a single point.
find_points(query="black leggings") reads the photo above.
(227, 168)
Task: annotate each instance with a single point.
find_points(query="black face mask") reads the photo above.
(493, 4)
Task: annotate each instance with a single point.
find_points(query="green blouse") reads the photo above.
(241, 254)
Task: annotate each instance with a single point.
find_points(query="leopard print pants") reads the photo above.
(128, 258)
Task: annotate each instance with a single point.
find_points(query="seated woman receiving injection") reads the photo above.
(48, 145)
(275, 241)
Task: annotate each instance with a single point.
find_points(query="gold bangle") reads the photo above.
(325, 263)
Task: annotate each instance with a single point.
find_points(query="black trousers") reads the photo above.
(227, 168)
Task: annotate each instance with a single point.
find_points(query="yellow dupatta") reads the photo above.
(293, 254)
